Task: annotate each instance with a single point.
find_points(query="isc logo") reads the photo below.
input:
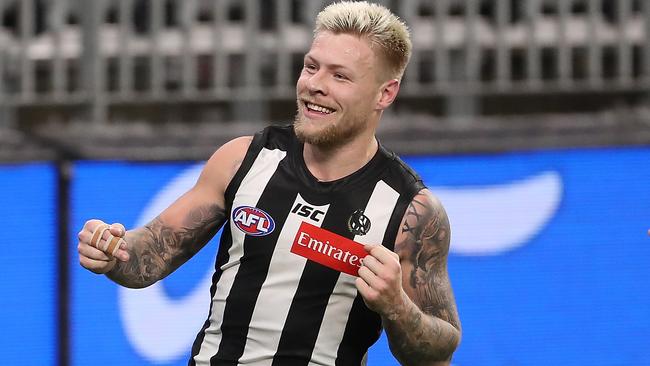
(307, 211)
(253, 221)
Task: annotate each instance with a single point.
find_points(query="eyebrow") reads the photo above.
(330, 66)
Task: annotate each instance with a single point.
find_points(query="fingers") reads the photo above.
(99, 267)
(367, 292)
(380, 270)
(117, 229)
(380, 280)
(91, 225)
(382, 262)
(103, 238)
(98, 236)
(94, 259)
(383, 254)
(121, 252)
(92, 253)
(376, 274)
(380, 267)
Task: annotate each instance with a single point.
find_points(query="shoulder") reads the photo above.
(223, 164)
(276, 137)
(399, 174)
(232, 152)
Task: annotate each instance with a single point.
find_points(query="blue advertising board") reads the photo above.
(29, 282)
(134, 327)
(549, 260)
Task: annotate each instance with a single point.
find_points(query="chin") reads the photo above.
(309, 132)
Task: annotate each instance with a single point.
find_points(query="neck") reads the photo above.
(328, 164)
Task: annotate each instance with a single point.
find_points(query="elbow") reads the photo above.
(455, 335)
(454, 341)
(436, 351)
(131, 282)
(446, 349)
(141, 282)
(136, 285)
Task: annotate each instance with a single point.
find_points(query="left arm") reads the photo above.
(410, 288)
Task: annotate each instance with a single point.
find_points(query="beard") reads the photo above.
(334, 134)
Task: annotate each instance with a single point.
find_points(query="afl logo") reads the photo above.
(253, 221)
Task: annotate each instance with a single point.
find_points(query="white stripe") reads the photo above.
(379, 210)
(278, 290)
(249, 193)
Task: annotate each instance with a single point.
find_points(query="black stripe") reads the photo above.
(404, 180)
(251, 154)
(276, 200)
(362, 330)
(317, 282)
(222, 258)
(364, 326)
(196, 346)
(393, 227)
(226, 237)
(315, 288)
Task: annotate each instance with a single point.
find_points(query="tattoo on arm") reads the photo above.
(428, 234)
(423, 247)
(157, 249)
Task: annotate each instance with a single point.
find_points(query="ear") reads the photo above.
(388, 93)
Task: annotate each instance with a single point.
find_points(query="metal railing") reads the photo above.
(102, 53)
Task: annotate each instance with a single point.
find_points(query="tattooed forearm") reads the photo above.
(419, 339)
(157, 249)
(428, 328)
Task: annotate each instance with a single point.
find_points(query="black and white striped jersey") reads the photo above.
(278, 295)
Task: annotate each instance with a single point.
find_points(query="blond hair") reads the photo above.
(387, 33)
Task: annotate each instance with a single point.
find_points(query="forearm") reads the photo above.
(159, 248)
(148, 262)
(416, 338)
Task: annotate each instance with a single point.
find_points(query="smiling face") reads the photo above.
(338, 90)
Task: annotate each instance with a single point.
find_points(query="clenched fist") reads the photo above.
(101, 245)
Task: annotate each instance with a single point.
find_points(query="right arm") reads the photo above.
(164, 244)
(151, 252)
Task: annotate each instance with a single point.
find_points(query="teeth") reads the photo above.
(318, 108)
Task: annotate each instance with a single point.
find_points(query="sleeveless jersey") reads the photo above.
(271, 306)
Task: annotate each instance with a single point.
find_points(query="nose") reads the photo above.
(316, 84)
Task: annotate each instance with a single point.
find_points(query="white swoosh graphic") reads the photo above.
(485, 221)
(159, 328)
(493, 219)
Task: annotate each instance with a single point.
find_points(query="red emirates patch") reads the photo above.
(329, 249)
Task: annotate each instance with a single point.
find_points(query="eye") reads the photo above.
(310, 67)
(340, 76)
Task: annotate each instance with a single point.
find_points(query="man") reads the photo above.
(290, 288)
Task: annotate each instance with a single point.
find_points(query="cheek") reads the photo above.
(299, 86)
(358, 100)
(302, 81)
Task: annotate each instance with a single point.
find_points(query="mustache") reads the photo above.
(302, 100)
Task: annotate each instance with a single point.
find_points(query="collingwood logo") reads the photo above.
(358, 223)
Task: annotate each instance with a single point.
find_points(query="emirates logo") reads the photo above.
(328, 248)
(358, 223)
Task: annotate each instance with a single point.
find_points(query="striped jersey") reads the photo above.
(283, 291)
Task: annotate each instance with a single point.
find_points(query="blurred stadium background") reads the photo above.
(530, 118)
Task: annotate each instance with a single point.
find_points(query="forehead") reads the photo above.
(342, 49)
